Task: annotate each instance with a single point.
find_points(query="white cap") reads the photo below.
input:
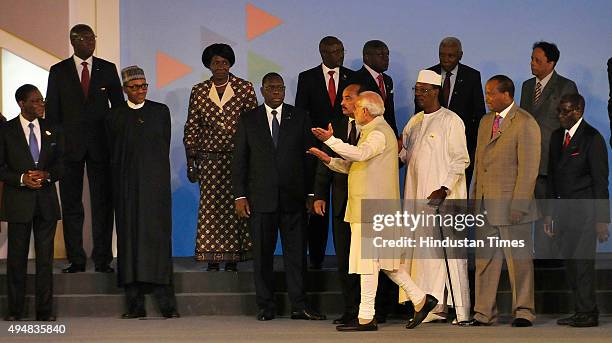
(429, 76)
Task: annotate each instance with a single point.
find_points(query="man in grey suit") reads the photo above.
(540, 97)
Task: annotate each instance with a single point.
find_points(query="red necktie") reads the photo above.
(85, 79)
(495, 127)
(446, 89)
(331, 88)
(381, 86)
(566, 142)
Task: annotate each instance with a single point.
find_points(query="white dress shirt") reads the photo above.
(26, 132)
(79, 67)
(573, 129)
(375, 74)
(269, 110)
(504, 113)
(544, 81)
(135, 106)
(326, 71)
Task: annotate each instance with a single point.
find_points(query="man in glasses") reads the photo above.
(139, 137)
(78, 95)
(435, 152)
(31, 152)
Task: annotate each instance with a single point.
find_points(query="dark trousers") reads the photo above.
(71, 192)
(263, 228)
(17, 265)
(318, 227)
(163, 294)
(581, 279)
(349, 283)
(544, 247)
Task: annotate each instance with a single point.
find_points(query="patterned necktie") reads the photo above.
(352, 137)
(275, 128)
(331, 88)
(381, 86)
(33, 142)
(85, 79)
(446, 89)
(537, 94)
(567, 140)
(495, 127)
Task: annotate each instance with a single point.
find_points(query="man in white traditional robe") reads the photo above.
(372, 169)
(435, 152)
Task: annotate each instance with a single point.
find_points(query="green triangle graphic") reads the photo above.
(259, 66)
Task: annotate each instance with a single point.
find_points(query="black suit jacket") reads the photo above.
(610, 90)
(325, 177)
(312, 95)
(83, 120)
(19, 202)
(581, 170)
(365, 79)
(273, 179)
(467, 101)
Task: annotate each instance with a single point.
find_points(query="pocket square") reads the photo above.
(103, 89)
(575, 154)
(53, 144)
(48, 133)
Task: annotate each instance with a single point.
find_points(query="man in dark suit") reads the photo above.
(30, 163)
(271, 180)
(345, 129)
(372, 77)
(461, 92)
(78, 95)
(540, 97)
(578, 183)
(319, 92)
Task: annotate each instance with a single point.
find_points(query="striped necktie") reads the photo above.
(537, 94)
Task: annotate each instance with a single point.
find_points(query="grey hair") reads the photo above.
(372, 102)
(451, 41)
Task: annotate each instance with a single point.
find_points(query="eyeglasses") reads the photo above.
(85, 38)
(137, 87)
(274, 88)
(421, 90)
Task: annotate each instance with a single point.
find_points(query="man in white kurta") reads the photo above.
(372, 169)
(435, 152)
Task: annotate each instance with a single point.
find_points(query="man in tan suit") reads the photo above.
(372, 175)
(505, 171)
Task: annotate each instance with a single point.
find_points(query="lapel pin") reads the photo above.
(47, 133)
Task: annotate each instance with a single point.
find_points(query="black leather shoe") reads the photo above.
(231, 267)
(473, 322)
(521, 323)
(104, 269)
(583, 320)
(345, 319)
(430, 303)
(316, 266)
(74, 268)
(566, 320)
(308, 315)
(12, 318)
(355, 326)
(171, 314)
(212, 267)
(134, 315)
(46, 318)
(264, 315)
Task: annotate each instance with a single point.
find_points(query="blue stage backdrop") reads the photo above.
(167, 40)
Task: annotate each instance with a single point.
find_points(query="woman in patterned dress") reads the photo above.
(214, 108)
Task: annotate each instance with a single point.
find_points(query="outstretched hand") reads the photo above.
(322, 134)
(318, 153)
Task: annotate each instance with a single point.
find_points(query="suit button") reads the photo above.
(485, 170)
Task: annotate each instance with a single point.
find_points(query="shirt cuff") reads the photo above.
(21, 180)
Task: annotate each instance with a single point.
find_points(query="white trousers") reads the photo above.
(369, 285)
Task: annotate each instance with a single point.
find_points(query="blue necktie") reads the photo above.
(33, 144)
(275, 128)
